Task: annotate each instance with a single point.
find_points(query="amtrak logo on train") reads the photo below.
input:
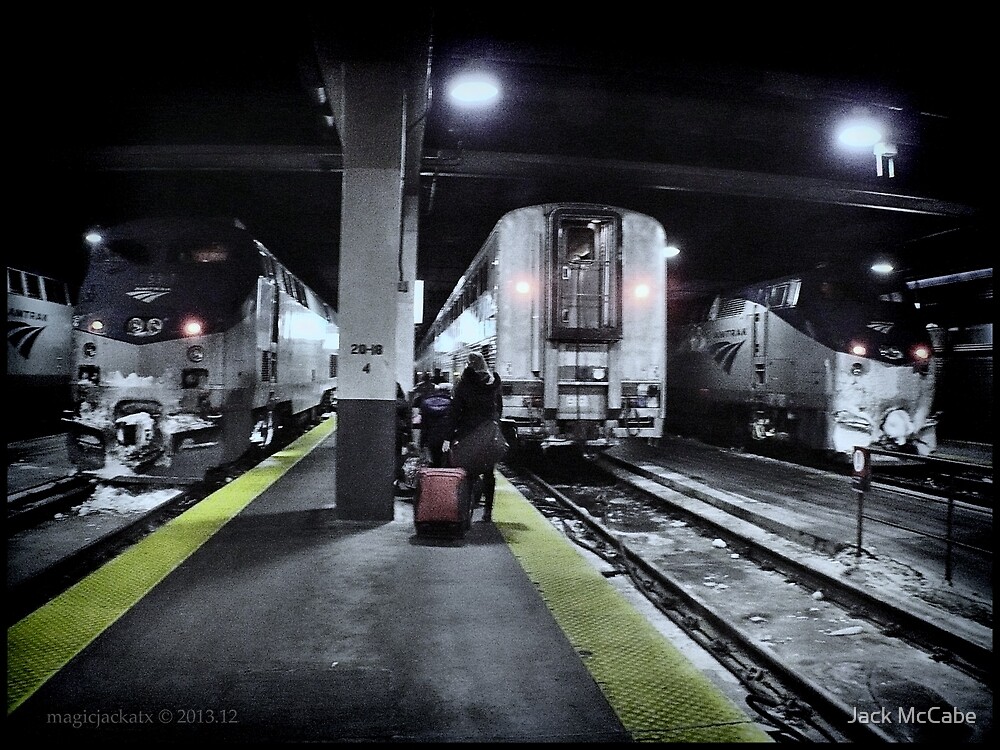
(148, 294)
(724, 352)
(22, 336)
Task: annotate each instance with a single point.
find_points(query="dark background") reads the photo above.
(732, 117)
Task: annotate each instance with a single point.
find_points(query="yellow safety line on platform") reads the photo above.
(42, 643)
(658, 694)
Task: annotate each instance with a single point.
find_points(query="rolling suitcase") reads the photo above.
(443, 505)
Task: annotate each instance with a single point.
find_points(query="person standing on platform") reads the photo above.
(424, 388)
(404, 435)
(435, 423)
(478, 399)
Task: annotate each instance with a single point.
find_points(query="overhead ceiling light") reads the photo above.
(860, 129)
(882, 267)
(474, 88)
(860, 134)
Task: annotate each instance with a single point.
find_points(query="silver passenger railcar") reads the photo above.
(567, 302)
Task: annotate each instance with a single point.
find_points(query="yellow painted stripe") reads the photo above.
(655, 690)
(42, 643)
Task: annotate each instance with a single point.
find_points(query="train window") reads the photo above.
(214, 252)
(33, 286)
(131, 250)
(15, 281)
(56, 291)
(580, 245)
(587, 285)
(782, 295)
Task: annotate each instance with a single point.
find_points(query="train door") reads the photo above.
(269, 315)
(758, 350)
(584, 319)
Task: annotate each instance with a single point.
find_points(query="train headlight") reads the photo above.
(96, 326)
(135, 326)
(921, 353)
(195, 353)
(858, 349)
(522, 287)
(192, 328)
(642, 291)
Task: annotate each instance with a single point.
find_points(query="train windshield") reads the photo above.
(865, 294)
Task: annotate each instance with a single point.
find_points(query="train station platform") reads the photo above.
(260, 616)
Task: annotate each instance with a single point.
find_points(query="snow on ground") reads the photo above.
(117, 500)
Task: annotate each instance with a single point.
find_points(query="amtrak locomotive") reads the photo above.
(826, 360)
(567, 302)
(39, 325)
(191, 345)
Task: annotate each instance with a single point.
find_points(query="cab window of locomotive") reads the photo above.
(839, 291)
(133, 251)
(55, 291)
(214, 252)
(781, 295)
(34, 287)
(15, 283)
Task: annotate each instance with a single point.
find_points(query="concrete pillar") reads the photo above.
(404, 331)
(368, 299)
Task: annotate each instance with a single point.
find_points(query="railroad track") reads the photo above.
(692, 571)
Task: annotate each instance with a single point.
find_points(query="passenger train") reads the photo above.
(191, 345)
(566, 300)
(39, 326)
(825, 360)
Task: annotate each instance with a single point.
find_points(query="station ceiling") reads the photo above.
(731, 145)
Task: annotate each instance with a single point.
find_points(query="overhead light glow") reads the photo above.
(474, 88)
(671, 251)
(882, 267)
(860, 135)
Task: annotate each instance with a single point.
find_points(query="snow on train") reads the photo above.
(567, 302)
(191, 345)
(39, 325)
(827, 360)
